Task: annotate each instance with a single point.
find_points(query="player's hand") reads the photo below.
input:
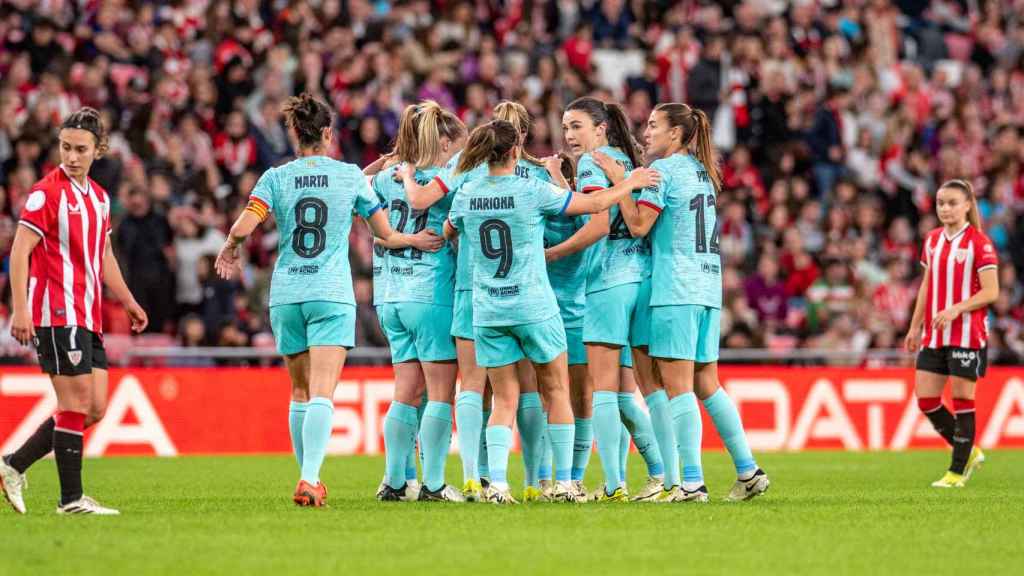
(426, 240)
(612, 169)
(550, 255)
(553, 164)
(227, 261)
(21, 327)
(644, 178)
(912, 343)
(404, 172)
(390, 159)
(946, 317)
(138, 317)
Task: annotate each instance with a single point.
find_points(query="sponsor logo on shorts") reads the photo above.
(966, 357)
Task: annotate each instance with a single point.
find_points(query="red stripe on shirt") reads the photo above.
(589, 189)
(441, 184)
(958, 277)
(649, 205)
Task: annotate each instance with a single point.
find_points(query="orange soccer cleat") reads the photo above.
(308, 495)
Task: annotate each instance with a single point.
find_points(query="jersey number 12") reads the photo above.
(697, 204)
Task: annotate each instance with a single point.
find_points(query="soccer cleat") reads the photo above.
(950, 480)
(532, 494)
(388, 494)
(485, 482)
(582, 494)
(86, 505)
(651, 491)
(472, 491)
(619, 495)
(673, 494)
(495, 495)
(412, 490)
(746, 489)
(565, 492)
(974, 462)
(12, 483)
(547, 487)
(698, 495)
(308, 495)
(443, 494)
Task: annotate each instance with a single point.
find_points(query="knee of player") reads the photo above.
(95, 414)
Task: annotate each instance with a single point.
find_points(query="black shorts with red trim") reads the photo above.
(967, 363)
(69, 350)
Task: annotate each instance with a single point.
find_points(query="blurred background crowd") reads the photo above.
(836, 119)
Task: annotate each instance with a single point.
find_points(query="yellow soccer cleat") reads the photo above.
(950, 480)
(619, 495)
(974, 462)
(472, 491)
(673, 494)
(532, 494)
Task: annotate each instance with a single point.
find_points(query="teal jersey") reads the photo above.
(568, 276)
(687, 268)
(313, 199)
(618, 258)
(380, 269)
(450, 183)
(501, 220)
(414, 275)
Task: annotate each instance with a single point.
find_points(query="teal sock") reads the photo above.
(531, 423)
(582, 446)
(686, 418)
(639, 425)
(436, 427)
(562, 442)
(296, 416)
(623, 454)
(499, 440)
(399, 442)
(316, 432)
(483, 463)
(410, 465)
(544, 470)
(607, 431)
(469, 413)
(664, 431)
(727, 420)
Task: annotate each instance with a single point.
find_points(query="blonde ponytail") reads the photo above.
(516, 114)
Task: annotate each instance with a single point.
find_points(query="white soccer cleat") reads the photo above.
(86, 505)
(547, 490)
(673, 494)
(565, 492)
(698, 495)
(412, 491)
(499, 496)
(12, 483)
(651, 491)
(746, 489)
(582, 494)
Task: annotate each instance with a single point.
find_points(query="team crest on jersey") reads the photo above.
(75, 356)
(35, 201)
(961, 255)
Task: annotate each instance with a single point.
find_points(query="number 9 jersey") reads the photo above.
(501, 219)
(313, 199)
(686, 266)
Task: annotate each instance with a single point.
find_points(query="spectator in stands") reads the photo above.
(145, 249)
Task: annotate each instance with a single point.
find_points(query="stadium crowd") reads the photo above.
(836, 121)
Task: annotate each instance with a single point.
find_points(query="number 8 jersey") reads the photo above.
(686, 266)
(501, 219)
(313, 199)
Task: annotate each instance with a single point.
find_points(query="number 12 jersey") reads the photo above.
(313, 199)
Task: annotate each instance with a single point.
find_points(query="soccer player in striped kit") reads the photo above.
(64, 227)
(948, 330)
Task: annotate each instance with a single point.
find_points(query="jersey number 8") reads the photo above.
(305, 227)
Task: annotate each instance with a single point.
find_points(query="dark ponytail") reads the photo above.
(617, 125)
(308, 117)
(491, 143)
(88, 119)
(696, 136)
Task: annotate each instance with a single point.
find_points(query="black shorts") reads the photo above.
(967, 363)
(69, 350)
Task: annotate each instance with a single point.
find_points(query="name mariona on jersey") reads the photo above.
(496, 203)
(311, 181)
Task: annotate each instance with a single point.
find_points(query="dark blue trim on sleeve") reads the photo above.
(568, 198)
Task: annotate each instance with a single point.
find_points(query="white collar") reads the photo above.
(88, 185)
(954, 236)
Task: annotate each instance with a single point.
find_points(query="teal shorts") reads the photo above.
(685, 332)
(541, 342)
(574, 342)
(418, 331)
(619, 315)
(462, 315)
(298, 326)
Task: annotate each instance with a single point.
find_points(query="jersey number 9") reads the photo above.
(500, 251)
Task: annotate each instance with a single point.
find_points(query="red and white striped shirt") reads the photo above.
(66, 278)
(954, 265)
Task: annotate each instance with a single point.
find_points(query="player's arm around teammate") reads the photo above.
(57, 305)
(960, 281)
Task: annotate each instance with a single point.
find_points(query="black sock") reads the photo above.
(963, 441)
(67, 448)
(38, 445)
(943, 422)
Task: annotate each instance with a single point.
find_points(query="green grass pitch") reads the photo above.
(827, 513)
